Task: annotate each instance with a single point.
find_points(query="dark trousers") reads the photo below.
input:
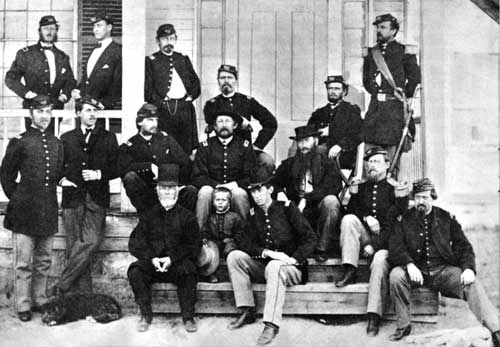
(143, 196)
(178, 119)
(84, 226)
(142, 274)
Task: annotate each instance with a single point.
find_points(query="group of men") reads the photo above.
(289, 214)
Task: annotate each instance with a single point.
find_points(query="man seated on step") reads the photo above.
(428, 247)
(311, 181)
(140, 157)
(225, 160)
(166, 243)
(371, 211)
(275, 247)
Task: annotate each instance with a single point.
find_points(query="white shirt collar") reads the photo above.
(226, 141)
(84, 129)
(229, 95)
(146, 138)
(45, 44)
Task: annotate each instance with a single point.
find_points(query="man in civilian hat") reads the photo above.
(102, 72)
(224, 160)
(311, 181)
(274, 250)
(246, 107)
(172, 85)
(44, 67)
(90, 155)
(166, 243)
(428, 247)
(366, 226)
(384, 119)
(37, 156)
(339, 122)
(140, 157)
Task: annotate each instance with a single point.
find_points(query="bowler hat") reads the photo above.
(305, 131)
(373, 151)
(90, 101)
(48, 20)
(101, 15)
(385, 18)
(40, 101)
(228, 68)
(165, 30)
(168, 175)
(208, 259)
(148, 111)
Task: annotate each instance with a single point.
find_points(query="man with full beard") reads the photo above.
(428, 247)
(44, 67)
(224, 160)
(366, 226)
(172, 85)
(312, 183)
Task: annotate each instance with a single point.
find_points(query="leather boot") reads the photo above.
(373, 324)
(349, 276)
(400, 333)
(268, 334)
(246, 317)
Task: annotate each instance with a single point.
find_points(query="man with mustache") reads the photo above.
(90, 155)
(371, 211)
(384, 119)
(339, 122)
(428, 247)
(172, 85)
(166, 243)
(44, 67)
(311, 181)
(246, 107)
(225, 160)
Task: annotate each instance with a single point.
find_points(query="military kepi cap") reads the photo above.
(168, 175)
(40, 101)
(422, 185)
(305, 131)
(101, 15)
(47, 20)
(148, 111)
(259, 178)
(385, 18)
(91, 101)
(165, 30)
(374, 151)
(236, 117)
(335, 79)
(228, 68)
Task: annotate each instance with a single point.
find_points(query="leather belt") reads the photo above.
(385, 97)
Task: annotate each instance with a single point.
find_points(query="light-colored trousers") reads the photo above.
(243, 269)
(378, 288)
(353, 236)
(31, 265)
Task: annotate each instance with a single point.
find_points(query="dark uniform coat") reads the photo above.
(32, 65)
(215, 163)
(100, 153)
(105, 81)
(377, 199)
(384, 120)
(243, 106)
(173, 233)
(406, 244)
(32, 208)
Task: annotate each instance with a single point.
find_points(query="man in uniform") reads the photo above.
(274, 250)
(340, 123)
(172, 85)
(166, 243)
(140, 157)
(90, 154)
(311, 181)
(384, 119)
(428, 247)
(102, 72)
(246, 107)
(224, 160)
(37, 155)
(367, 225)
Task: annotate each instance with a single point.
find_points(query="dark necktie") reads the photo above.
(98, 45)
(47, 47)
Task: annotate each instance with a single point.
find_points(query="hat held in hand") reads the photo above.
(208, 259)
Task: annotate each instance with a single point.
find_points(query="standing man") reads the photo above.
(44, 68)
(141, 156)
(102, 73)
(339, 122)
(31, 214)
(384, 119)
(166, 243)
(366, 226)
(224, 160)
(311, 181)
(428, 247)
(172, 85)
(90, 154)
(246, 107)
(275, 247)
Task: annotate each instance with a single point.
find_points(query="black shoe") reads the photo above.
(400, 333)
(495, 337)
(190, 325)
(247, 317)
(24, 316)
(268, 334)
(321, 257)
(373, 324)
(349, 276)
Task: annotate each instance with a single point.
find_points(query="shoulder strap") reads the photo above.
(382, 66)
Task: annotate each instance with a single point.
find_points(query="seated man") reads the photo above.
(428, 247)
(224, 160)
(140, 157)
(367, 224)
(275, 247)
(311, 181)
(166, 243)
